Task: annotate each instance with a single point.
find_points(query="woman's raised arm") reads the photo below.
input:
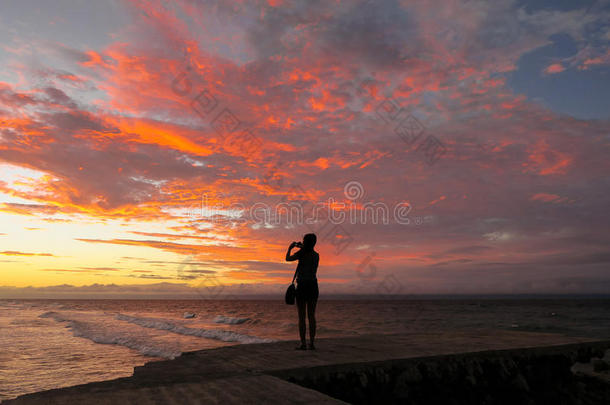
(289, 257)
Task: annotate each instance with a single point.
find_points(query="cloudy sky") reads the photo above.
(138, 139)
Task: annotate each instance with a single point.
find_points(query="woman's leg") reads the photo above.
(301, 311)
(311, 315)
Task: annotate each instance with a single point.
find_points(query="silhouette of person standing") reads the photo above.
(307, 285)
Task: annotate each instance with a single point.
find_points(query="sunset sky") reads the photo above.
(119, 119)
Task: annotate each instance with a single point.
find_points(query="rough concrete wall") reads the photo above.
(525, 376)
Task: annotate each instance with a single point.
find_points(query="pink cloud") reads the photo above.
(548, 198)
(554, 68)
(602, 59)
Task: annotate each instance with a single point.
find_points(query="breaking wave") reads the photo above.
(230, 321)
(217, 334)
(98, 334)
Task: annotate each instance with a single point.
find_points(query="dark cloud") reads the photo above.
(156, 290)
(469, 249)
(378, 34)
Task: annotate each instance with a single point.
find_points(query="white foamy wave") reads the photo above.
(96, 334)
(217, 334)
(230, 321)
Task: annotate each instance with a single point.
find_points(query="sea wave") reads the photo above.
(93, 332)
(217, 334)
(229, 320)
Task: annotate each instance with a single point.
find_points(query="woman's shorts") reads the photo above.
(307, 290)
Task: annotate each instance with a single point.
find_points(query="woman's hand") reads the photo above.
(290, 257)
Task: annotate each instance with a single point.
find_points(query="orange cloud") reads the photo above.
(17, 253)
(159, 133)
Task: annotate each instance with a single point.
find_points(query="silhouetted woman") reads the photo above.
(307, 285)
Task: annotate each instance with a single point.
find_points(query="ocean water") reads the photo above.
(56, 343)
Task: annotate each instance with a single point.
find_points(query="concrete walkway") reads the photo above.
(244, 374)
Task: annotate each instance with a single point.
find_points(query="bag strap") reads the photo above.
(295, 276)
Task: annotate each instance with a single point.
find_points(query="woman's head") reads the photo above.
(309, 241)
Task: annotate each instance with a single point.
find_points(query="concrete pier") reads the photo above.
(370, 366)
